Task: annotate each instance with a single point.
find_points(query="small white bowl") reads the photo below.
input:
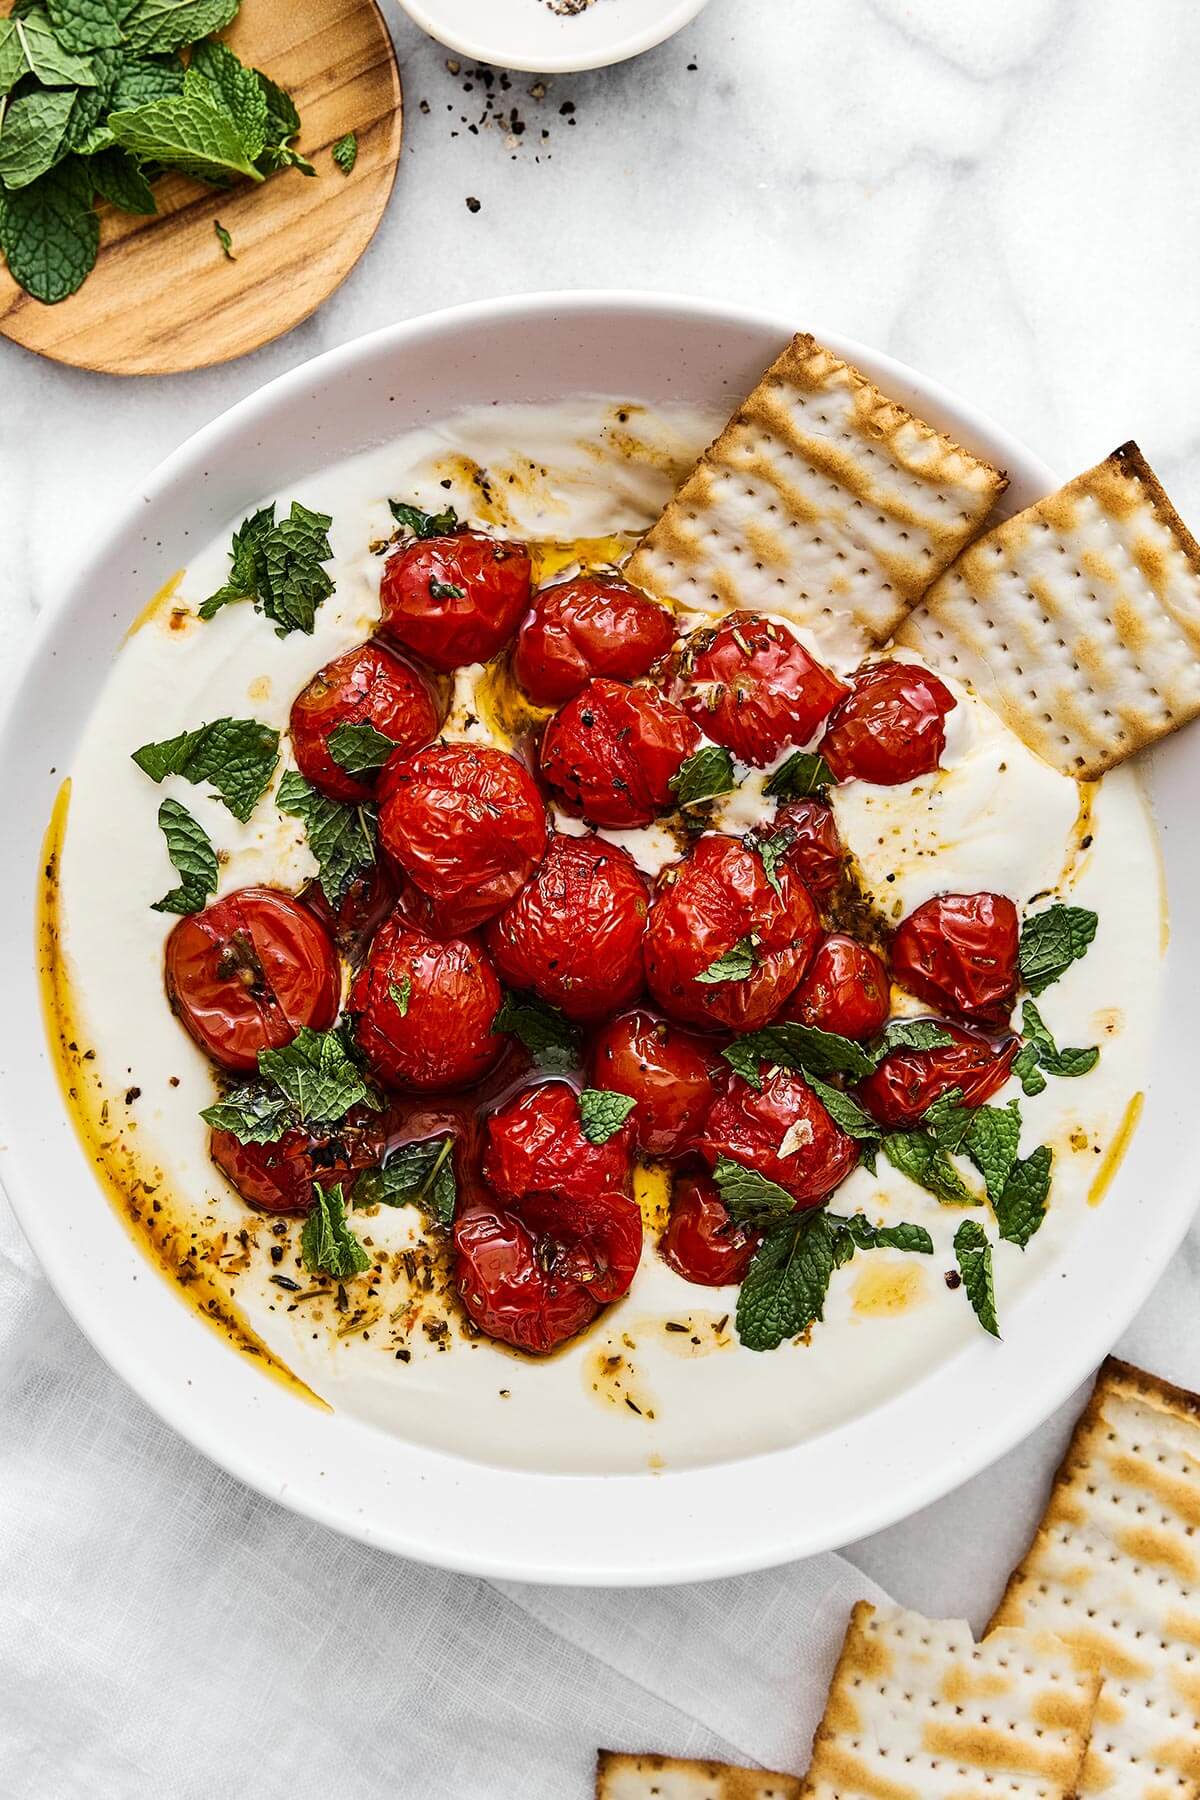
(530, 34)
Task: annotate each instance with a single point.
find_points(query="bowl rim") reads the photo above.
(632, 42)
(1046, 1381)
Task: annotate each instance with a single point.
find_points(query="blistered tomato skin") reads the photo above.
(672, 1076)
(422, 1010)
(595, 1239)
(466, 825)
(891, 728)
(907, 1082)
(706, 906)
(367, 686)
(815, 851)
(594, 625)
(611, 753)
(535, 1144)
(455, 600)
(504, 1288)
(958, 953)
(752, 1127)
(751, 685)
(248, 972)
(846, 990)
(279, 1177)
(702, 1242)
(574, 932)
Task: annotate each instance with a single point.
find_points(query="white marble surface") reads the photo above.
(1004, 197)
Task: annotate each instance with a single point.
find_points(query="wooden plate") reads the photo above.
(163, 297)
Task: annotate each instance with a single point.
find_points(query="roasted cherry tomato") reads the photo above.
(422, 1010)
(504, 1287)
(455, 600)
(534, 1274)
(717, 906)
(594, 625)
(958, 953)
(246, 973)
(367, 686)
(907, 1082)
(359, 913)
(673, 1077)
(702, 1242)
(815, 851)
(751, 685)
(846, 990)
(279, 1177)
(535, 1144)
(466, 825)
(892, 727)
(611, 753)
(574, 932)
(784, 1132)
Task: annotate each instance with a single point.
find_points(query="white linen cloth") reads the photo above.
(165, 1634)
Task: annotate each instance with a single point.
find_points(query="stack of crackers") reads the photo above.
(1087, 1681)
(826, 501)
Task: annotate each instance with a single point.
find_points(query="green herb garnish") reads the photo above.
(359, 748)
(734, 964)
(803, 773)
(547, 1034)
(345, 153)
(237, 758)
(316, 1076)
(342, 838)
(192, 857)
(1051, 941)
(327, 1244)
(279, 567)
(602, 1113)
(705, 775)
(423, 524)
(414, 1175)
(974, 1257)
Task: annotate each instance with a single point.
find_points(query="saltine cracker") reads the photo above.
(823, 500)
(621, 1777)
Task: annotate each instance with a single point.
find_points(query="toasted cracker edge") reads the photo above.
(735, 1782)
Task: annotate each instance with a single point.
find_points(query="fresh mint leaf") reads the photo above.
(414, 1175)
(156, 25)
(990, 1140)
(237, 90)
(359, 748)
(772, 850)
(316, 1076)
(400, 993)
(602, 1113)
(786, 1285)
(237, 757)
(546, 1033)
(253, 1114)
(327, 1244)
(707, 773)
(341, 838)
(225, 240)
(1022, 1205)
(803, 1047)
(735, 964)
(748, 1195)
(118, 179)
(283, 123)
(84, 25)
(1028, 1070)
(1053, 1060)
(918, 1155)
(1051, 941)
(423, 524)
(278, 566)
(142, 79)
(803, 773)
(191, 131)
(913, 1238)
(50, 234)
(48, 57)
(843, 1109)
(193, 859)
(345, 153)
(911, 1034)
(974, 1256)
(31, 140)
(13, 63)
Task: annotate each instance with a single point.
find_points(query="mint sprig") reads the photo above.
(192, 857)
(327, 1244)
(254, 1114)
(419, 1174)
(279, 566)
(359, 748)
(345, 153)
(706, 774)
(735, 964)
(548, 1035)
(1054, 1061)
(804, 773)
(316, 1076)
(787, 1283)
(422, 524)
(236, 757)
(1022, 1205)
(1051, 941)
(341, 838)
(602, 1113)
(974, 1256)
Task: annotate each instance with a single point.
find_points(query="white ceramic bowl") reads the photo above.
(528, 34)
(586, 1529)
